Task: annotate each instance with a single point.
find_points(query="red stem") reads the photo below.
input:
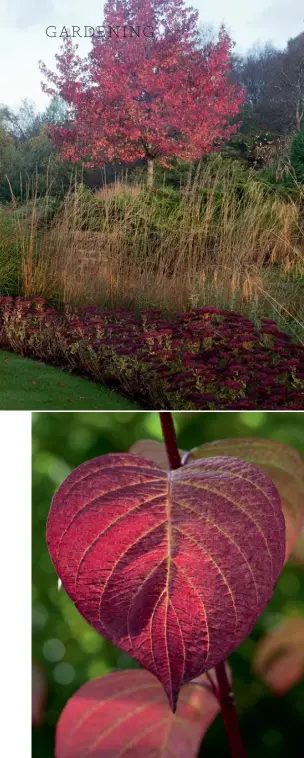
(225, 694)
(229, 714)
(166, 421)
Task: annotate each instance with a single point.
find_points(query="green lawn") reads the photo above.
(27, 385)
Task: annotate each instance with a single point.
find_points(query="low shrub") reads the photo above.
(205, 359)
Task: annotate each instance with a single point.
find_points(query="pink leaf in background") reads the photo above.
(152, 450)
(175, 567)
(38, 694)
(126, 715)
(279, 656)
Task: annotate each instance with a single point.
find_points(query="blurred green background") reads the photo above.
(66, 647)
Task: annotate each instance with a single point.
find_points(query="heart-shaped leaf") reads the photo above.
(282, 463)
(172, 567)
(126, 714)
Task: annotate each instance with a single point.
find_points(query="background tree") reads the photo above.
(56, 112)
(26, 122)
(27, 154)
(23, 123)
(288, 83)
(274, 81)
(146, 97)
(7, 150)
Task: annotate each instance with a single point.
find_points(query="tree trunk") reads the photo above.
(150, 175)
(299, 117)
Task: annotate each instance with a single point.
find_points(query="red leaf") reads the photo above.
(282, 463)
(158, 561)
(127, 714)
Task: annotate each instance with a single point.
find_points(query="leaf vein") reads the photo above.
(228, 536)
(237, 505)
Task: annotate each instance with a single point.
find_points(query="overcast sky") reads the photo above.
(24, 40)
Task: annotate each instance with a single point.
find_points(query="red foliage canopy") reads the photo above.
(159, 96)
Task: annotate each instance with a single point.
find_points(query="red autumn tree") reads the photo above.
(148, 89)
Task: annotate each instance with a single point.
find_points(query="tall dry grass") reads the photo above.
(133, 249)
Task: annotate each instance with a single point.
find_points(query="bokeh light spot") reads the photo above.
(253, 419)
(152, 426)
(64, 673)
(53, 650)
(81, 438)
(90, 641)
(125, 418)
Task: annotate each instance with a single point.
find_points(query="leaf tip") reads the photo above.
(172, 698)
